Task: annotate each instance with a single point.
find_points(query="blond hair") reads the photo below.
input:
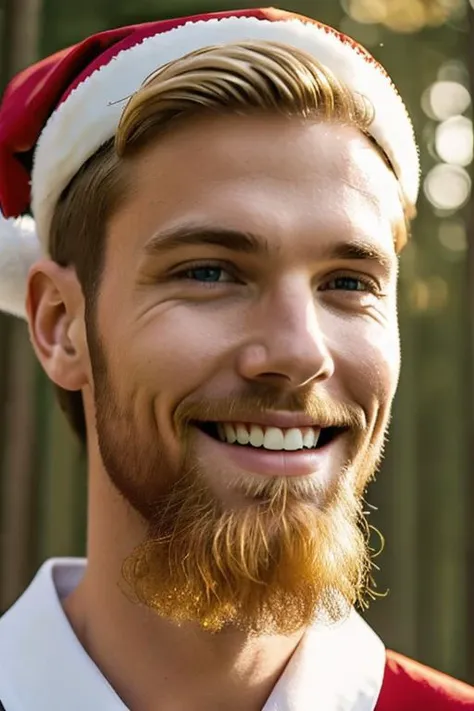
(246, 77)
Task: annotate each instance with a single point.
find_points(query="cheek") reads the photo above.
(179, 349)
(370, 360)
(383, 362)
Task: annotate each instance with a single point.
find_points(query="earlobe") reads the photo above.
(55, 317)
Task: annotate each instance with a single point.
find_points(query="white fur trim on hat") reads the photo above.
(91, 114)
(20, 249)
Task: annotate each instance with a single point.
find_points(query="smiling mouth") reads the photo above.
(274, 439)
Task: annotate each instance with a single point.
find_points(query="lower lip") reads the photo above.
(269, 463)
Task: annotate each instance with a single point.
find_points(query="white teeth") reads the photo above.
(293, 440)
(274, 438)
(243, 436)
(256, 436)
(316, 433)
(230, 435)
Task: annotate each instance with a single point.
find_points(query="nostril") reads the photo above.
(273, 376)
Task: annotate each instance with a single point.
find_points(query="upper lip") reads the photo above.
(281, 419)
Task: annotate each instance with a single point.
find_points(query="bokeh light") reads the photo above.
(447, 187)
(454, 140)
(452, 235)
(454, 70)
(430, 294)
(367, 11)
(445, 99)
(404, 15)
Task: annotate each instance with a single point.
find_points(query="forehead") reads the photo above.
(265, 174)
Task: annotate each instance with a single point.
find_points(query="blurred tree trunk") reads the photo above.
(21, 34)
(470, 404)
(19, 43)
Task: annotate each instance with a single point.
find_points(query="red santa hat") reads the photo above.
(57, 113)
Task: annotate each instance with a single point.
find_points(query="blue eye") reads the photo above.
(206, 274)
(348, 283)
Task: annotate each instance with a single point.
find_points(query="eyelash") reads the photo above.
(370, 285)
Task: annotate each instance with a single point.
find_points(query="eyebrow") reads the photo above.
(201, 235)
(363, 251)
(250, 243)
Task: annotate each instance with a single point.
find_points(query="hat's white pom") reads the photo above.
(19, 249)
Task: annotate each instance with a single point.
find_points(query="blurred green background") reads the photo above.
(422, 500)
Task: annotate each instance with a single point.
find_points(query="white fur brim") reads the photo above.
(91, 113)
(19, 249)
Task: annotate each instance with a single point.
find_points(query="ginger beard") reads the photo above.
(287, 552)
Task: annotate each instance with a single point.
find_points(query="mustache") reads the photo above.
(240, 406)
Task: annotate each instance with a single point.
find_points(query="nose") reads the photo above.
(289, 347)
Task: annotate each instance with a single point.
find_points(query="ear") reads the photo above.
(55, 310)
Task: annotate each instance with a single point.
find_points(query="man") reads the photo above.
(220, 202)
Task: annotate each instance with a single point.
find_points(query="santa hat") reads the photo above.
(57, 113)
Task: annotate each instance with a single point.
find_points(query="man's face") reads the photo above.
(245, 355)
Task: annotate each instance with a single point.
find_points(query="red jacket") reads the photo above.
(411, 686)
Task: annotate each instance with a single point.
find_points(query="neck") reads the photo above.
(146, 658)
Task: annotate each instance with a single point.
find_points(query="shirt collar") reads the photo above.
(44, 667)
(338, 667)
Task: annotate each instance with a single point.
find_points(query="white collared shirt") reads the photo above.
(43, 666)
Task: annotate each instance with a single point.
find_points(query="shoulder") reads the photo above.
(411, 686)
